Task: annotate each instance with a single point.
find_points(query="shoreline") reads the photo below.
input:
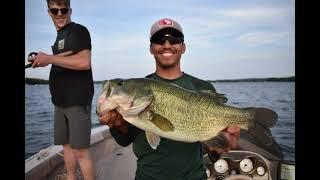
(273, 79)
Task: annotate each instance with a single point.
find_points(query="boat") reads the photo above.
(114, 162)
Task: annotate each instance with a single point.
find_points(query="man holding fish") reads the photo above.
(164, 158)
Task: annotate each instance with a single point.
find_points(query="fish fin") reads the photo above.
(218, 141)
(161, 122)
(153, 139)
(220, 98)
(259, 127)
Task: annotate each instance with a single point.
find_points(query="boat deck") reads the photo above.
(117, 163)
(108, 158)
(111, 161)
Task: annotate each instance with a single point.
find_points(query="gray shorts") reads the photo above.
(72, 125)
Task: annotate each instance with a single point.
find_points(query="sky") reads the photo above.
(225, 39)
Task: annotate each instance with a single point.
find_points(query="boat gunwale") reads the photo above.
(42, 163)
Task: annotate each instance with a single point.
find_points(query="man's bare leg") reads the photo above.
(70, 162)
(84, 158)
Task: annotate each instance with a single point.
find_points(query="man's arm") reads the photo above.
(78, 61)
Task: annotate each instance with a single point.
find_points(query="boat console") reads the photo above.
(251, 160)
(242, 165)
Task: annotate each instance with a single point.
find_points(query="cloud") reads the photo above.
(255, 13)
(266, 38)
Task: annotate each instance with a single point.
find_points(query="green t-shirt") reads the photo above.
(172, 160)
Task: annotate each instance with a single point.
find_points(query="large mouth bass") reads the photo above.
(167, 110)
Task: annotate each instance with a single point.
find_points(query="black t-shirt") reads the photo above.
(71, 87)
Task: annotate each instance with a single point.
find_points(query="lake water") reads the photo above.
(279, 96)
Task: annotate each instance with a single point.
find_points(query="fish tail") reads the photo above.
(259, 132)
(258, 128)
(263, 116)
(260, 124)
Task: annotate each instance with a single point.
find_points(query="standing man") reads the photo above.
(172, 160)
(71, 87)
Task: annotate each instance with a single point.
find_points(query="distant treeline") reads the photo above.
(43, 81)
(282, 79)
(35, 81)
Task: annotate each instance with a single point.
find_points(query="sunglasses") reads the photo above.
(55, 11)
(161, 39)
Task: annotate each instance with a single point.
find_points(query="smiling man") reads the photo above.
(172, 159)
(167, 46)
(71, 88)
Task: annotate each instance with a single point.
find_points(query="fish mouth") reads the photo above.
(125, 102)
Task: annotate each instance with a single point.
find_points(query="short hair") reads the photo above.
(59, 2)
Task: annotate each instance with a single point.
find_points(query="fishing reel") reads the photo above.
(30, 55)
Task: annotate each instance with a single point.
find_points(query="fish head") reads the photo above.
(127, 96)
